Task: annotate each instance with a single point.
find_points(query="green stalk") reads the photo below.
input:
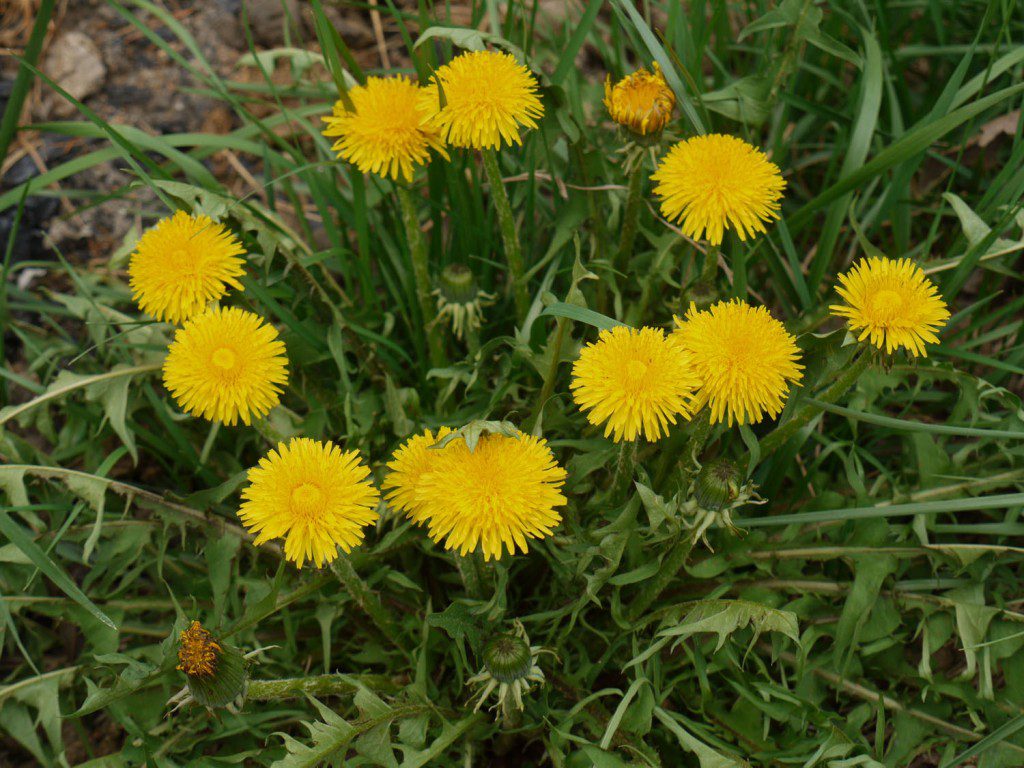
(670, 566)
(700, 430)
(509, 237)
(421, 275)
(549, 378)
(471, 571)
(317, 685)
(625, 468)
(630, 216)
(710, 265)
(365, 598)
(778, 437)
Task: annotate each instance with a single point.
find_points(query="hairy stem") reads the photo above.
(365, 598)
(630, 217)
(549, 378)
(671, 564)
(421, 275)
(317, 685)
(509, 237)
(782, 433)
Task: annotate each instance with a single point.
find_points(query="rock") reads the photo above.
(268, 19)
(76, 65)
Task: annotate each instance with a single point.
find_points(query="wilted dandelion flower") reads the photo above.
(712, 183)
(226, 365)
(634, 382)
(183, 264)
(407, 467)
(745, 359)
(892, 304)
(497, 496)
(313, 495)
(198, 652)
(384, 132)
(483, 99)
(641, 102)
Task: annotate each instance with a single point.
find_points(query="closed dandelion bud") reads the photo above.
(507, 658)
(216, 672)
(717, 491)
(718, 484)
(459, 300)
(510, 671)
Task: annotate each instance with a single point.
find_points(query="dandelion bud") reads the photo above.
(460, 300)
(717, 491)
(507, 658)
(718, 484)
(510, 671)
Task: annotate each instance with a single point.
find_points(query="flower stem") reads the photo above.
(630, 217)
(364, 597)
(670, 566)
(549, 378)
(470, 571)
(778, 437)
(625, 468)
(421, 274)
(710, 265)
(509, 237)
(317, 685)
(701, 428)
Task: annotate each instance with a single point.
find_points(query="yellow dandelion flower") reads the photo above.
(226, 365)
(497, 496)
(182, 265)
(384, 132)
(641, 102)
(634, 382)
(745, 358)
(313, 495)
(481, 98)
(198, 652)
(892, 304)
(407, 466)
(715, 182)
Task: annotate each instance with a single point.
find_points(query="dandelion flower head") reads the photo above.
(713, 183)
(642, 101)
(183, 264)
(892, 304)
(746, 360)
(226, 365)
(198, 652)
(634, 382)
(503, 492)
(314, 495)
(384, 131)
(480, 99)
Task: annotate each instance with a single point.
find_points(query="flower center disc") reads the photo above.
(886, 306)
(307, 497)
(224, 359)
(636, 373)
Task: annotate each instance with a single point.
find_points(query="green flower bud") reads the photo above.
(718, 484)
(459, 299)
(507, 658)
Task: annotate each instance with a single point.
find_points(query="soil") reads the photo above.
(110, 63)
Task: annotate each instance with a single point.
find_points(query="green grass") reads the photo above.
(868, 614)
